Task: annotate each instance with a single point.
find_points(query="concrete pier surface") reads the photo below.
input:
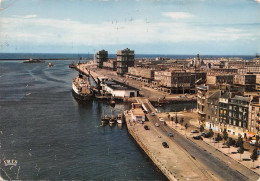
(174, 162)
(151, 94)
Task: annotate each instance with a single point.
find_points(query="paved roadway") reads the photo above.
(212, 163)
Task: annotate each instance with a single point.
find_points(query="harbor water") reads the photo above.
(54, 137)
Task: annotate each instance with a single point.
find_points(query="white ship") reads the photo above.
(81, 88)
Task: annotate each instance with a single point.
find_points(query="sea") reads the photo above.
(45, 134)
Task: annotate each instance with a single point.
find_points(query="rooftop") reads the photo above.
(116, 85)
(138, 111)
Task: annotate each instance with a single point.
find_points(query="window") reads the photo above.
(208, 116)
(239, 124)
(225, 111)
(230, 107)
(234, 122)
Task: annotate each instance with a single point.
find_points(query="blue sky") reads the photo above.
(216, 27)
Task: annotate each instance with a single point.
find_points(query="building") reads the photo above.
(223, 111)
(212, 111)
(125, 59)
(233, 112)
(137, 113)
(217, 79)
(145, 74)
(201, 102)
(254, 116)
(110, 64)
(178, 81)
(119, 89)
(101, 56)
(246, 81)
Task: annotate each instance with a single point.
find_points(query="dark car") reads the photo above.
(146, 127)
(197, 137)
(206, 135)
(170, 134)
(194, 131)
(165, 145)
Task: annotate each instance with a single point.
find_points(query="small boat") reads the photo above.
(120, 119)
(112, 102)
(112, 119)
(33, 61)
(105, 117)
(50, 65)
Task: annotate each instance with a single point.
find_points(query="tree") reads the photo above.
(257, 141)
(186, 127)
(240, 141)
(254, 156)
(218, 138)
(225, 135)
(210, 134)
(176, 122)
(229, 143)
(181, 121)
(201, 128)
(241, 150)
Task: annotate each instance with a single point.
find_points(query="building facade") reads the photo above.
(101, 56)
(125, 59)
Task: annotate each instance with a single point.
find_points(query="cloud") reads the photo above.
(30, 16)
(36, 31)
(177, 15)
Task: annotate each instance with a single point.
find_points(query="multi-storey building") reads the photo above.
(110, 64)
(125, 59)
(247, 82)
(212, 111)
(178, 81)
(254, 116)
(217, 79)
(146, 74)
(233, 113)
(202, 102)
(101, 56)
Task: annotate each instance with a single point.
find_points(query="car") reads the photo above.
(170, 134)
(161, 119)
(197, 137)
(253, 142)
(152, 113)
(194, 131)
(165, 145)
(146, 127)
(157, 124)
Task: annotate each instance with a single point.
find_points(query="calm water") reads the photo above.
(54, 137)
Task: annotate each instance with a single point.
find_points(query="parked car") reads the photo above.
(157, 124)
(205, 135)
(170, 134)
(153, 114)
(197, 137)
(165, 145)
(194, 131)
(253, 142)
(161, 119)
(146, 127)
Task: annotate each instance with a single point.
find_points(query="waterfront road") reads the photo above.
(210, 162)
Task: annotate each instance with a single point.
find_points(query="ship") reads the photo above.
(112, 119)
(81, 88)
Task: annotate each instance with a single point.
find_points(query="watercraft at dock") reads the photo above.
(112, 119)
(105, 117)
(81, 88)
(120, 119)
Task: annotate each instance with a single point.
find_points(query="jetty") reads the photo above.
(174, 162)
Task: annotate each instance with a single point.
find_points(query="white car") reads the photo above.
(161, 119)
(157, 124)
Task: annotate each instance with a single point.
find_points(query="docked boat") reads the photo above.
(120, 119)
(112, 119)
(105, 117)
(112, 103)
(81, 88)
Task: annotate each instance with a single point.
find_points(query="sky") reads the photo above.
(208, 27)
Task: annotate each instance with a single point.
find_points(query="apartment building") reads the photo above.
(125, 59)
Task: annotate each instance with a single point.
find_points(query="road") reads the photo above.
(215, 165)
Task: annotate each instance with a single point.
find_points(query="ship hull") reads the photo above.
(80, 97)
